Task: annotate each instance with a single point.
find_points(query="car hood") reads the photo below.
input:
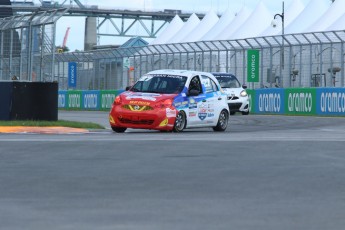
(233, 91)
(129, 97)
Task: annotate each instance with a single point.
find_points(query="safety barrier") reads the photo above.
(87, 99)
(24, 100)
(289, 101)
(298, 101)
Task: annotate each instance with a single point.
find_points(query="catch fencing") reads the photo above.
(296, 60)
(28, 51)
(27, 46)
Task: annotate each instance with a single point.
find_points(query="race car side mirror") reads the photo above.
(244, 86)
(128, 87)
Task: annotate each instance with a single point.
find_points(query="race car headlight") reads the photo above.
(243, 93)
(117, 100)
(165, 104)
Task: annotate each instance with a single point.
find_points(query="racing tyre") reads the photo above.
(245, 113)
(180, 122)
(118, 129)
(222, 121)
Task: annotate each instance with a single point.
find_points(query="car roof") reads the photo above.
(186, 73)
(223, 74)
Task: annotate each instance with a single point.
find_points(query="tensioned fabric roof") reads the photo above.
(335, 11)
(202, 28)
(311, 13)
(295, 8)
(235, 24)
(316, 16)
(255, 24)
(175, 25)
(223, 23)
(191, 23)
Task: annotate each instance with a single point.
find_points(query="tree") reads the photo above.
(60, 49)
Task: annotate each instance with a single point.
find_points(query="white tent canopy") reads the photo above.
(295, 8)
(240, 18)
(308, 16)
(335, 11)
(191, 23)
(255, 24)
(337, 25)
(175, 25)
(316, 16)
(223, 23)
(202, 28)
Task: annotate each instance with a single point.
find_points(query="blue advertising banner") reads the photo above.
(62, 99)
(269, 101)
(72, 74)
(91, 99)
(330, 101)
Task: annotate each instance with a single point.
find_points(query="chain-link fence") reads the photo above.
(298, 60)
(27, 45)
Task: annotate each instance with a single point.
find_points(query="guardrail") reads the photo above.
(287, 101)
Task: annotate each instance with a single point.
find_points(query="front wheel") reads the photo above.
(118, 129)
(180, 122)
(222, 121)
(245, 113)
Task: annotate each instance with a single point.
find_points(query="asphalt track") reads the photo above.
(264, 172)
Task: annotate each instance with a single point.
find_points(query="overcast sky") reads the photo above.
(76, 35)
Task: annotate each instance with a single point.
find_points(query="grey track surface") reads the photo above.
(264, 172)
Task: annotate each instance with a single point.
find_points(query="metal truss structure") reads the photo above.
(123, 23)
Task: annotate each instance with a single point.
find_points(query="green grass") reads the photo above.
(63, 123)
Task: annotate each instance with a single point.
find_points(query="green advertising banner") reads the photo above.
(300, 101)
(107, 98)
(251, 96)
(253, 59)
(74, 99)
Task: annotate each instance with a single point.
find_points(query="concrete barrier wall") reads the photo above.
(288, 101)
(23, 100)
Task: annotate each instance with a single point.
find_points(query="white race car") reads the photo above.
(238, 100)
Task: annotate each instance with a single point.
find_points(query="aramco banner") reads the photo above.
(87, 99)
(72, 74)
(251, 97)
(330, 101)
(300, 101)
(269, 101)
(253, 60)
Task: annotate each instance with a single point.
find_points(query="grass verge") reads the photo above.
(63, 123)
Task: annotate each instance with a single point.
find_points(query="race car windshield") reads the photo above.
(165, 84)
(228, 81)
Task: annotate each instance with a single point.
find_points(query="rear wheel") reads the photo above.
(180, 122)
(118, 129)
(222, 121)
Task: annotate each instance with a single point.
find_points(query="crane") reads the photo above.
(65, 37)
(62, 48)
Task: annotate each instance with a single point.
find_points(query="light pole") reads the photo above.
(274, 24)
(282, 17)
